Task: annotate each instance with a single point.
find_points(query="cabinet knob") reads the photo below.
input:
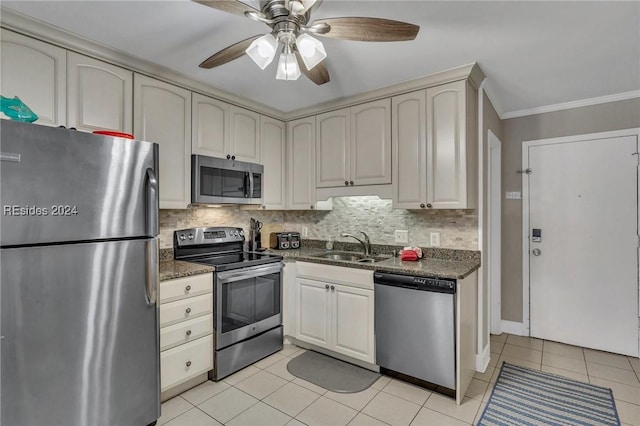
(351, 182)
(188, 363)
(311, 206)
(228, 157)
(429, 205)
(187, 289)
(326, 286)
(233, 157)
(188, 332)
(188, 310)
(422, 206)
(346, 182)
(264, 207)
(332, 288)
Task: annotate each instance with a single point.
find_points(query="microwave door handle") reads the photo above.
(250, 184)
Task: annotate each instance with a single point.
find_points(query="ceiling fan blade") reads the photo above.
(368, 29)
(231, 6)
(300, 7)
(318, 74)
(228, 53)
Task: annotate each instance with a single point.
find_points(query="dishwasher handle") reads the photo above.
(438, 285)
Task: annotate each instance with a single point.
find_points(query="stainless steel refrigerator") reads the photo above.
(79, 273)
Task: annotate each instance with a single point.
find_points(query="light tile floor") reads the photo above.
(266, 394)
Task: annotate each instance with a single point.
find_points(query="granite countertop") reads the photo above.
(440, 263)
(171, 269)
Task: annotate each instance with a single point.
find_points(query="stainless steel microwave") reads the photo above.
(222, 181)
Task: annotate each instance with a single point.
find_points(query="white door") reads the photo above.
(333, 134)
(313, 319)
(583, 197)
(273, 159)
(210, 126)
(370, 156)
(352, 322)
(301, 184)
(245, 134)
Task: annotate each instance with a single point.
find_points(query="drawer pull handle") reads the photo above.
(188, 363)
(188, 332)
(188, 310)
(187, 289)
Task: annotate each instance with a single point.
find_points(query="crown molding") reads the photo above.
(47, 33)
(470, 71)
(572, 104)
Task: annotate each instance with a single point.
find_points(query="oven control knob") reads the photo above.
(241, 233)
(191, 236)
(182, 237)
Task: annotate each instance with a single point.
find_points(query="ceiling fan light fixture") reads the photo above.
(287, 65)
(311, 50)
(263, 50)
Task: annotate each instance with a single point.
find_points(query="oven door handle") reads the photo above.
(242, 274)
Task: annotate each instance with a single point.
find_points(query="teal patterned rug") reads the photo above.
(522, 396)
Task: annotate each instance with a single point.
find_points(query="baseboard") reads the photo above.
(512, 327)
(482, 360)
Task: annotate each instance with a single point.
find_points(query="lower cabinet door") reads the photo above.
(185, 362)
(185, 332)
(352, 322)
(313, 319)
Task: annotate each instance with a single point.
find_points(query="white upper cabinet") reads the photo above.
(245, 134)
(162, 114)
(36, 73)
(225, 131)
(333, 136)
(370, 154)
(301, 137)
(409, 150)
(353, 146)
(451, 146)
(100, 95)
(273, 159)
(210, 127)
(434, 148)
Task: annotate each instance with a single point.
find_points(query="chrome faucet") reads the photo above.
(366, 244)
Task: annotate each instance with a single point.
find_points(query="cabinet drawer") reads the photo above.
(182, 310)
(185, 362)
(186, 331)
(182, 288)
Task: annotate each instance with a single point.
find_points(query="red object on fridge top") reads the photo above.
(114, 133)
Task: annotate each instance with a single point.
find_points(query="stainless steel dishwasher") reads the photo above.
(415, 326)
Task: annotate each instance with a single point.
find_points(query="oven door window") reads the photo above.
(250, 300)
(216, 182)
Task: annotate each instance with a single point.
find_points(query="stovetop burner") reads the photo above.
(222, 247)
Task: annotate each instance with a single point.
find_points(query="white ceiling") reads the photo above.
(534, 53)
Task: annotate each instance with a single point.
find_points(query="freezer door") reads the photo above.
(62, 185)
(80, 334)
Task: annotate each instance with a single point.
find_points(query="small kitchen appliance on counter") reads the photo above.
(247, 295)
(255, 237)
(79, 253)
(285, 240)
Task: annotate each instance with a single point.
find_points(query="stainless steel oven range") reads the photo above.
(247, 295)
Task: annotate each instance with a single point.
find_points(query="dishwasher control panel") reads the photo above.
(439, 285)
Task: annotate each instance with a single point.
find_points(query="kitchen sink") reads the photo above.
(353, 257)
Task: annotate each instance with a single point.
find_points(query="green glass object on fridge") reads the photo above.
(15, 109)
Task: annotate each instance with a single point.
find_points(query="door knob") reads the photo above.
(536, 252)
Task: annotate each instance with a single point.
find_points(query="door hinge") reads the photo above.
(637, 154)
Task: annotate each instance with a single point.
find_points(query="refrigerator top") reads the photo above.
(61, 186)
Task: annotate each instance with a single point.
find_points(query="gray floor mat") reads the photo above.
(331, 373)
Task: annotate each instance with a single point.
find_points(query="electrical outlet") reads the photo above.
(305, 232)
(401, 237)
(434, 239)
(513, 195)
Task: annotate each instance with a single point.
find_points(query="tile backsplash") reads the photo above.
(458, 228)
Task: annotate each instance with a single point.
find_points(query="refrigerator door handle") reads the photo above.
(152, 203)
(152, 266)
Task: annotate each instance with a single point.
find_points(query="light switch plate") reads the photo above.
(401, 237)
(304, 232)
(434, 239)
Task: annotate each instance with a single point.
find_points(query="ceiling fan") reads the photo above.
(300, 52)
